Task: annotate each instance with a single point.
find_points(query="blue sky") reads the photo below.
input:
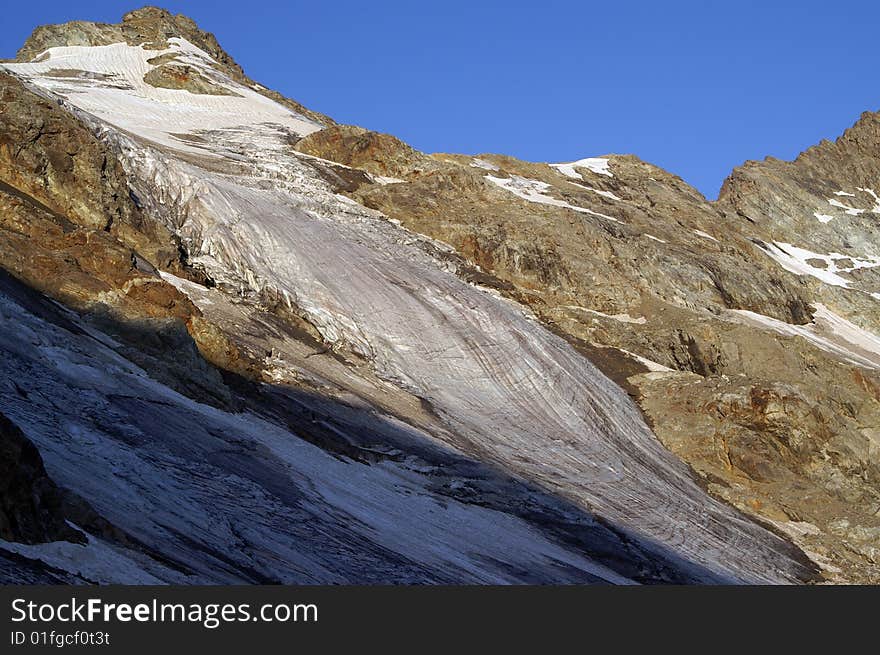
(695, 87)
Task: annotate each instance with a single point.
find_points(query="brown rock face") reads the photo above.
(640, 263)
(48, 158)
(643, 275)
(560, 251)
(178, 76)
(69, 228)
(380, 154)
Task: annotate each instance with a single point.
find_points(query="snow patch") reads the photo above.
(482, 163)
(650, 364)
(795, 260)
(535, 191)
(113, 89)
(384, 179)
(622, 318)
(876, 208)
(598, 165)
(852, 211)
(705, 235)
(828, 331)
(95, 561)
(607, 194)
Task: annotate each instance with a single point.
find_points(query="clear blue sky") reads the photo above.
(695, 87)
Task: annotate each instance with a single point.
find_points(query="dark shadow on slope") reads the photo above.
(367, 437)
(19, 570)
(31, 505)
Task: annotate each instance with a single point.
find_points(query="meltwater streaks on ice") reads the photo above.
(261, 218)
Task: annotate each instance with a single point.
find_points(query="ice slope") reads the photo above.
(214, 497)
(111, 86)
(257, 216)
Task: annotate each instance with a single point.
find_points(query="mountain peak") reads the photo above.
(149, 26)
(568, 360)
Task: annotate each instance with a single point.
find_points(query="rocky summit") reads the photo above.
(242, 343)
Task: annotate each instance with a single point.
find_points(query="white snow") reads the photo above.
(794, 259)
(157, 113)
(823, 218)
(852, 211)
(260, 219)
(96, 562)
(876, 208)
(653, 238)
(622, 318)
(482, 163)
(184, 487)
(535, 191)
(601, 192)
(650, 364)
(384, 179)
(598, 165)
(848, 331)
(828, 331)
(705, 235)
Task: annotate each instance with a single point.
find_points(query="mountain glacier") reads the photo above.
(462, 438)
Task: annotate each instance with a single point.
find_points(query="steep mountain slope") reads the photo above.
(761, 378)
(452, 375)
(197, 494)
(91, 390)
(818, 214)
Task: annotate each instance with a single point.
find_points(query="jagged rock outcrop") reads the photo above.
(173, 76)
(379, 154)
(817, 216)
(288, 250)
(31, 505)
